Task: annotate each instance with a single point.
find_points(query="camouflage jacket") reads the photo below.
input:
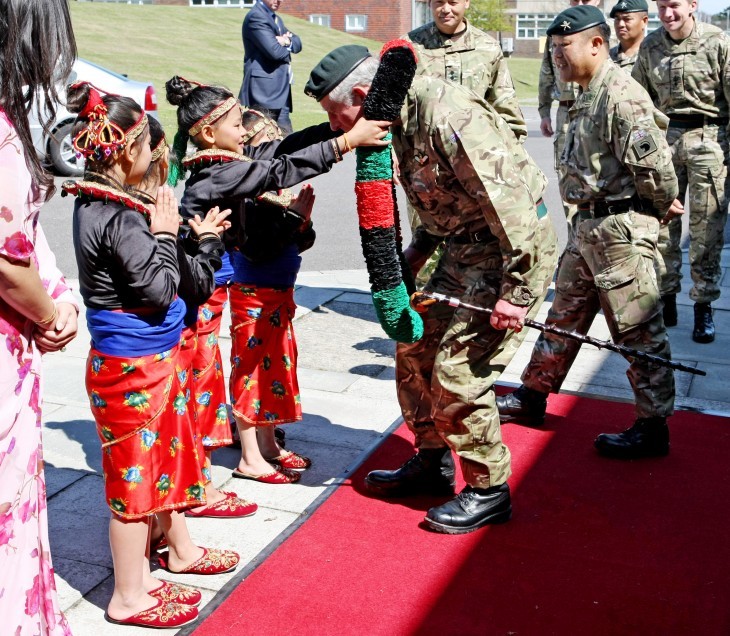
(473, 60)
(691, 77)
(549, 86)
(624, 61)
(615, 146)
(464, 171)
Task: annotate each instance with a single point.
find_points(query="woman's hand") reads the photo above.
(368, 133)
(303, 203)
(165, 216)
(60, 334)
(213, 223)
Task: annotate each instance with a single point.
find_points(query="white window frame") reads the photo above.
(356, 22)
(320, 19)
(532, 26)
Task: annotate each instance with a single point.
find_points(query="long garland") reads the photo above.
(376, 203)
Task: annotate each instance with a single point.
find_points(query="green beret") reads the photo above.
(333, 68)
(576, 19)
(629, 6)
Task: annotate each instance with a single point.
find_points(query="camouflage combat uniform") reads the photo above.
(473, 59)
(615, 153)
(689, 81)
(474, 187)
(626, 62)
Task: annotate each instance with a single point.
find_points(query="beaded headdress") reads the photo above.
(101, 137)
(213, 116)
(265, 123)
(159, 149)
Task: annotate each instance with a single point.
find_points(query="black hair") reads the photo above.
(122, 111)
(157, 134)
(602, 30)
(37, 48)
(193, 101)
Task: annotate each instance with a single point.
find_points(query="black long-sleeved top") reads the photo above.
(198, 264)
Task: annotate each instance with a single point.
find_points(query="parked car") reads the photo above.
(57, 148)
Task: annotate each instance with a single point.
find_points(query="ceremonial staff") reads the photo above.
(422, 299)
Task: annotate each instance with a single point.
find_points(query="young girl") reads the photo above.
(225, 174)
(129, 276)
(263, 386)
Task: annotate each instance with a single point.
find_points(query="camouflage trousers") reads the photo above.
(561, 129)
(609, 265)
(698, 155)
(445, 380)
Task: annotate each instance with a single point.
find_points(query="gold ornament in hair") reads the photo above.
(159, 149)
(271, 128)
(214, 115)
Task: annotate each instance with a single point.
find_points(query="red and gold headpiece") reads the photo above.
(159, 149)
(214, 115)
(101, 137)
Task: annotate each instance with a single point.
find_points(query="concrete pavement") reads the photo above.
(346, 373)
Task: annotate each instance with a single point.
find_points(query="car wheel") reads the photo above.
(62, 153)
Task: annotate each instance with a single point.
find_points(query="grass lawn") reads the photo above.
(153, 43)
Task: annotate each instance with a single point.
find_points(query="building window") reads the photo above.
(322, 19)
(356, 23)
(533, 26)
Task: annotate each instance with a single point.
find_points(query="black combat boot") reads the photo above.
(471, 509)
(430, 471)
(670, 310)
(648, 437)
(704, 330)
(523, 405)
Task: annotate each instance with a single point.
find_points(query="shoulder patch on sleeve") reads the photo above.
(644, 146)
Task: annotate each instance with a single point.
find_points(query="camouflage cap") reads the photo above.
(576, 19)
(333, 68)
(629, 6)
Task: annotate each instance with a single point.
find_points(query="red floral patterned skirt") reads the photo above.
(210, 386)
(263, 386)
(150, 457)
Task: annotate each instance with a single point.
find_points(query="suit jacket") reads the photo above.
(266, 63)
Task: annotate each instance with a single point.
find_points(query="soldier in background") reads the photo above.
(475, 188)
(617, 168)
(551, 88)
(630, 18)
(685, 67)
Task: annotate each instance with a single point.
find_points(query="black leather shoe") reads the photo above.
(471, 509)
(704, 330)
(670, 310)
(648, 437)
(523, 405)
(430, 471)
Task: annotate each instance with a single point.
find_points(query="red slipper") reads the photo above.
(161, 616)
(292, 460)
(232, 506)
(212, 562)
(175, 593)
(157, 544)
(277, 476)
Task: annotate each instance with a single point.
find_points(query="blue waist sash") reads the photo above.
(120, 333)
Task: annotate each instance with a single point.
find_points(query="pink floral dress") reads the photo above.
(28, 600)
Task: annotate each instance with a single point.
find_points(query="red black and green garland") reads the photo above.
(391, 281)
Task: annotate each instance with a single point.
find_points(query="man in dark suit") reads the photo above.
(267, 75)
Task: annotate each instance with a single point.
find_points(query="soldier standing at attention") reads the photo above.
(630, 18)
(617, 168)
(475, 187)
(685, 67)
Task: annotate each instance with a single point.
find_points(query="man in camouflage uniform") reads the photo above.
(550, 87)
(630, 18)
(477, 190)
(685, 67)
(617, 168)
(452, 49)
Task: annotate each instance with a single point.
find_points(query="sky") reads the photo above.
(712, 6)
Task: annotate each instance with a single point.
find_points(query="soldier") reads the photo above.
(550, 87)
(630, 18)
(475, 188)
(685, 67)
(452, 49)
(617, 168)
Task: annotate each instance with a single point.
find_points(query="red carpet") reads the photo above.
(595, 546)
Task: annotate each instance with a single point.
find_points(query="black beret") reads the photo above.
(576, 19)
(333, 68)
(629, 6)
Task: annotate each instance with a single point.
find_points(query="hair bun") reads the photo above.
(77, 96)
(177, 89)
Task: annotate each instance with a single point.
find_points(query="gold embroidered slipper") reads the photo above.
(277, 476)
(291, 460)
(161, 616)
(213, 561)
